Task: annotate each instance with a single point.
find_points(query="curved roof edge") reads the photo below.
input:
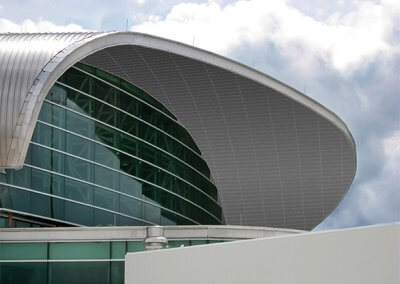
(80, 49)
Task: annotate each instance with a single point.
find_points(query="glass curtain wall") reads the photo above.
(72, 262)
(104, 152)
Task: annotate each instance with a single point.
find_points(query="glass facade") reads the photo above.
(104, 152)
(71, 262)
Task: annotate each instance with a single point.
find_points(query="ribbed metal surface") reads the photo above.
(22, 58)
(275, 162)
(278, 158)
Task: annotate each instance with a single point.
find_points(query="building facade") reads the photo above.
(124, 130)
(97, 254)
(104, 152)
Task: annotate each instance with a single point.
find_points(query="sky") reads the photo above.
(344, 53)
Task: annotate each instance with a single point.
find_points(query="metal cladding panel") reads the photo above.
(22, 58)
(278, 158)
(275, 161)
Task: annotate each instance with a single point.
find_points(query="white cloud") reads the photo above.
(38, 26)
(343, 40)
(391, 148)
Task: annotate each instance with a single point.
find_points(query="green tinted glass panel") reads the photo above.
(135, 246)
(198, 242)
(118, 250)
(106, 177)
(78, 191)
(215, 241)
(41, 181)
(130, 186)
(117, 272)
(79, 146)
(21, 177)
(125, 221)
(26, 273)
(41, 157)
(78, 213)
(79, 272)
(79, 169)
(106, 156)
(58, 95)
(18, 199)
(100, 250)
(106, 199)
(130, 206)
(41, 205)
(20, 251)
(177, 244)
(104, 218)
(80, 125)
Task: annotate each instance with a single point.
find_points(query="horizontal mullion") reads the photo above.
(129, 154)
(112, 190)
(122, 131)
(126, 92)
(118, 171)
(136, 98)
(139, 119)
(75, 201)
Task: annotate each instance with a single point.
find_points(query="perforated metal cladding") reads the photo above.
(275, 162)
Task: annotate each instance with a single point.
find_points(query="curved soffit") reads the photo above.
(278, 158)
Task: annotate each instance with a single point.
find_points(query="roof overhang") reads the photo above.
(278, 157)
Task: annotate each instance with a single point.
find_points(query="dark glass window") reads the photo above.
(41, 181)
(117, 272)
(79, 214)
(78, 191)
(19, 199)
(79, 146)
(79, 169)
(106, 177)
(130, 186)
(21, 177)
(41, 157)
(80, 125)
(27, 273)
(104, 218)
(41, 205)
(130, 206)
(106, 199)
(79, 272)
(106, 156)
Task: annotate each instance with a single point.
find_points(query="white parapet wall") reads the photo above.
(366, 255)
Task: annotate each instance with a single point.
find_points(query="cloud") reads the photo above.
(38, 26)
(343, 40)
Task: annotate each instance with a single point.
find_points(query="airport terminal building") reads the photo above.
(127, 131)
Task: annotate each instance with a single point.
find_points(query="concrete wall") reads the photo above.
(361, 255)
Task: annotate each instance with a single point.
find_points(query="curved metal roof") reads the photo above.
(278, 158)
